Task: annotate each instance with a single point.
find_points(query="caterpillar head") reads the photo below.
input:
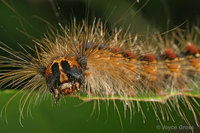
(64, 76)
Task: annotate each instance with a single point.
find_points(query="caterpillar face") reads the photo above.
(63, 76)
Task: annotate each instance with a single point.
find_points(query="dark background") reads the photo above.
(156, 15)
(22, 26)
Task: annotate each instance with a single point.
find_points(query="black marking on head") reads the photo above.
(55, 69)
(65, 65)
(74, 74)
(54, 80)
(66, 68)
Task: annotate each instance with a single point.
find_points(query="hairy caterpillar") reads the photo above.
(89, 60)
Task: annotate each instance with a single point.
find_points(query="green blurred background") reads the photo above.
(22, 25)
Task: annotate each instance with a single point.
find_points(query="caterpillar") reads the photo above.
(92, 63)
(86, 59)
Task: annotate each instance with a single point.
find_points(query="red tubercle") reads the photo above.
(150, 57)
(170, 53)
(131, 55)
(116, 49)
(191, 48)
